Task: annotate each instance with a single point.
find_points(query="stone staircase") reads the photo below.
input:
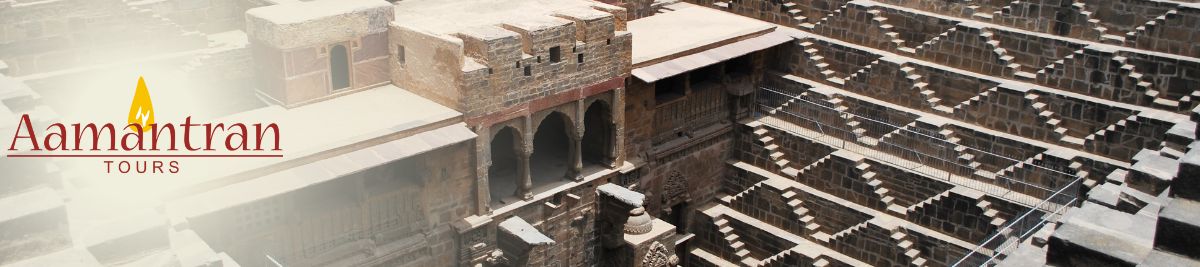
(796, 14)
(877, 187)
(921, 85)
(905, 242)
(975, 100)
(852, 121)
(836, 13)
(1158, 99)
(807, 168)
(740, 251)
(1102, 134)
(793, 201)
(1131, 37)
(1010, 172)
(991, 213)
(966, 156)
(826, 239)
(889, 30)
(776, 260)
(933, 41)
(912, 209)
(1014, 69)
(1051, 120)
(1043, 75)
(138, 8)
(762, 137)
(813, 54)
(1077, 167)
(1099, 32)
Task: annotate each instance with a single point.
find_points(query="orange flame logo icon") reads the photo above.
(141, 111)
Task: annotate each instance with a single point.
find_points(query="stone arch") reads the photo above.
(567, 111)
(552, 142)
(339, 67)
(599, 135)
(504, 171)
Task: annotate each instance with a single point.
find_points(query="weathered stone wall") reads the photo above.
(844, 60)
(955, 215)
(999, 149)
(1006, 110)
(914, 29)
(767, 204)
(952, 88)
(936, 251)
(1175, 34)
(965, 48)
(759, 242)
(54, 35)
(871, 244)
(876, 120)
(402, 219)
(591, 49)
(1127, 137)
(1034, 52)
(1059, 17)
(885, 80)
(1122, 16)
(207, 16)
(832, 217)
(908, 188)
(690, 175)
(294, 57)
(432, 66)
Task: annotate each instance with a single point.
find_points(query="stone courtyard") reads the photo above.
(619, 133)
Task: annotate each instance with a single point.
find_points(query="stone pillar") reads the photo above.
(618, 117)
(483, 161)
(525, 189)
(576, 154)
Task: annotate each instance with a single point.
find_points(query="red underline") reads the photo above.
(139, 156)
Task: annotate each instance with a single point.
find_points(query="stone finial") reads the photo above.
(638, 222)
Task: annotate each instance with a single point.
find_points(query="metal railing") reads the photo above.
(922, 151)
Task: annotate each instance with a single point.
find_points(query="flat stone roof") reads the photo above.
(686, 28)
(308, 134)
(288, 13)
(323, 170)
(447, 17)
(291, 25)
(28, 203)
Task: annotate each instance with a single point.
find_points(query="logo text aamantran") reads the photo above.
(142, 145)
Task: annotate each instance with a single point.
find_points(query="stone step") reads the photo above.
(760, 132)
(789, 194)
(793, 172)
(776, 155)
(918, 262)
(782, 163)
(874, 182)
(737, 245)
(821, 263)
(912, 253)
(730, 237)
(795, 202)
(766, 139)
(807, 219)
(742, 253)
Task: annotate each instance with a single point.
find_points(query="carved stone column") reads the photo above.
(576, 154)
(525, 188)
